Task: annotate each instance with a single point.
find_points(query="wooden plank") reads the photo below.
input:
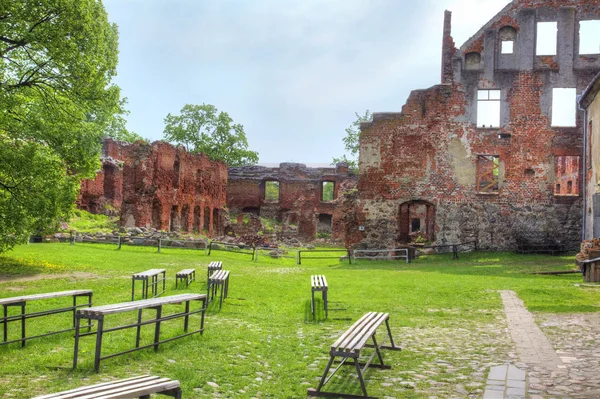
(341, 341)
(48, 295)
(97, 387)
(137, 305)
(120, 389)
(148, 273)
(185, 272)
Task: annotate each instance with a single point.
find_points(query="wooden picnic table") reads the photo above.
(99, 314)
(21, 302)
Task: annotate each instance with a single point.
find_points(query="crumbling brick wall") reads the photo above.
(160, 186)
(431, 168)
(300, 199)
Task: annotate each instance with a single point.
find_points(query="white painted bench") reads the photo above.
(100, 312)
(21, 302)
(218, 278)
(188, 275)
(318, 283)
(349, 346)
(135, 387)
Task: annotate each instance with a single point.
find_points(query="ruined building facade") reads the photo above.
(158, 186)
(304, 199)
(496, 148)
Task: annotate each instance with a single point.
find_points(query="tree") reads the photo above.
(201, 128)
(58, 58)
(352, 141)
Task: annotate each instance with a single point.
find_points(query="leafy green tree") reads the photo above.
(352, 141)
(201, 128)
(58, 58)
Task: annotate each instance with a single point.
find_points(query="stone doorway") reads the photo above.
(416, 218)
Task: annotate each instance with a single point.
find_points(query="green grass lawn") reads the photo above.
(263, 343)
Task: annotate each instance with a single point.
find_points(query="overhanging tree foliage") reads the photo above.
(201, 128)
(58, 58)
(352, 141)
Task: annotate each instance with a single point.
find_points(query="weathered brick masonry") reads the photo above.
(431, 168)
(158, 185)
(300, 200)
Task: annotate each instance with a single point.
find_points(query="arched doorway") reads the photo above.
(416, 218)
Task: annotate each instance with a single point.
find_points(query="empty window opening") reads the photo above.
(325, 223)
(488, 173)
(566, 175)
(109, 181)
(185, 217)
(508, 36)
(206, 225)
(217, 222)
(589, 37)
(415, 225)
(547, 34)
(196, 224)
(156, 214)
(327, 193)
(564, 107)
(174, 218)
(529, 172)
(488, 108)
(272, 191)
(252, 210)
(472, 60)
(176, 173)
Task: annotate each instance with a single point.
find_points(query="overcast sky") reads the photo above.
(292, 72)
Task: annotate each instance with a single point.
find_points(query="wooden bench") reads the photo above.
(100, 312)
(213, 267)
(218, 278)
(318, 283)
(21, 301)
(150, 279)
(349, 345)
(135, 387)
(188, 275)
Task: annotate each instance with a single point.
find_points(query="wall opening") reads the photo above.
(416, 222)
(176, 166)
(174, 218)
(473, 60)
(217, 225)
(327, 191)
(185, 218)
(488, 167)
(156, 214)
(271, 191)
(508, 37)
(547, 38)
(109, 181)
(325, 223)
(488, 108)
(566, 175)
(564, 107)
(196, 224)
(589, 37)
(206, 225)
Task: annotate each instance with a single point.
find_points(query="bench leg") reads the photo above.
(387, 324)
(377, 350)
(360, 377)
(324, 377)
(157, 328)
(176, 281)
(186, 319)
(132, 289)
(325, 303)
(76, 345)
(204, 305)
(139, 329)
(222, 293)
(312, 303)
(5, 323)
(227, 287)
(23, 325)
(98, 345)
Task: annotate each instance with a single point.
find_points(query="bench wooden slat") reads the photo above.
(368, 331)
(216, 264)
(148, 273)
(142, 304)
(356, 336)
(318, 282)
(128, 388)
(219, 275)
(48, 295)
(185, 272)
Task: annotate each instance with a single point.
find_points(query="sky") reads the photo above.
(292, 72)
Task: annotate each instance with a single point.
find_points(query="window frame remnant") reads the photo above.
(546, 39)
(269, 195)
(508, 36)
(567, 175)
(564, 98)
(489, 107)
(488, 174)
(324, 191)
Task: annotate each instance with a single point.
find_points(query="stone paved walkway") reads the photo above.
(532, 345)
(505, 382)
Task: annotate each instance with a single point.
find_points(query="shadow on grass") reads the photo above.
(17, 267)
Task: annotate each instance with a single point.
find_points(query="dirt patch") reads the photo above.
(23, 279)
